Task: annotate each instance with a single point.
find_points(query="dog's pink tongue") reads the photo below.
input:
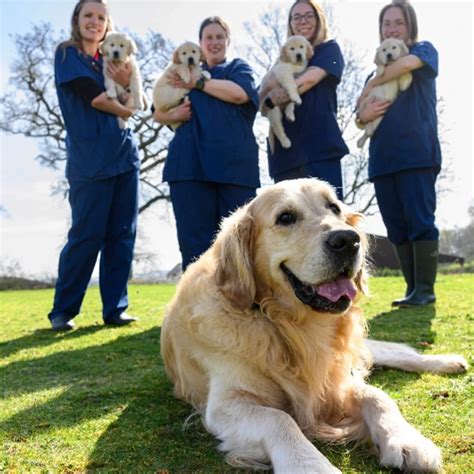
(337, 288)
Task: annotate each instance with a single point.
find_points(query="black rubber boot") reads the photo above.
(407, 264)
(426, 266)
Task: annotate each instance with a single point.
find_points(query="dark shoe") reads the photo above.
(62, 323)
(119, 320)
(426, 266)
(407, 265)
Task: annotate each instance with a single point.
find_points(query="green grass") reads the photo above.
(97, 399)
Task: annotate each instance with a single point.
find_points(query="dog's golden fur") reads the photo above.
(185, 62)
(120, 48)
(293, 60)
(261, 366)
(389, 51)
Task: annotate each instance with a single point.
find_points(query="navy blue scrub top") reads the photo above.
(407, 137)
(315, 135)
(217, 144)
(97, 148)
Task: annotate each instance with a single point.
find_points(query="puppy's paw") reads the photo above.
(296, 99)
(411, 452)
(290, 112)
(285, 143)
(185, 76)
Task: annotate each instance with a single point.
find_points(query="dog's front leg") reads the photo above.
(400, 445)
(137, 90)
(275, 118)
(109, 84)
(253, 435)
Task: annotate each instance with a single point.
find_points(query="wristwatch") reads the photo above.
(201, 82)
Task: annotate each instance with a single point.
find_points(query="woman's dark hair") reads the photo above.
(322, 30)
(409, 16)
(75, 38)
(217, 20)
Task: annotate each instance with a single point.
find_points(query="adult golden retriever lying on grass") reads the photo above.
(263, 337)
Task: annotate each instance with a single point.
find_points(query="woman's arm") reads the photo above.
(222, 89)
(182, 113)
(104, 104)
(312, 76)
(398, 68)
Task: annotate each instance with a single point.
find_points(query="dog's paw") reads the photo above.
(296, 99)
(446, 364)
(290, 112)
(307, 467)
(411, 452)
(285, 143)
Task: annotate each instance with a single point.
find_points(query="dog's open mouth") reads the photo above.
(331, 297)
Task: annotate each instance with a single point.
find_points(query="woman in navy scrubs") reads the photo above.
(317, 144)
(405, 156)
(212, 162)
(102, 171)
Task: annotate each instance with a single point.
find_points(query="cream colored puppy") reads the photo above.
(389, 51)
(293, 59)
(186, 60)
(119, 48)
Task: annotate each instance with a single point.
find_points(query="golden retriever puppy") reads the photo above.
(264, 338)
(186, 62)
(293, 59)
(389, 51)
(120, 48)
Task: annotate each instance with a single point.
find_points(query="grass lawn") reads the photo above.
(97, 398)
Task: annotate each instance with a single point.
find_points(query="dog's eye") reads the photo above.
(286, 218)
(292, 49)
(121, 45)
(112, 44)
(334, 208)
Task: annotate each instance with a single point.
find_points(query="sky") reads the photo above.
(34, 230)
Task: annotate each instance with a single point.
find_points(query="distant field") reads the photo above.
(97, 399)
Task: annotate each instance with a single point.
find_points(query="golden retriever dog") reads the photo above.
(264, 338)
(186, 62)
(389, 51)
(120, 48)
(293, 60)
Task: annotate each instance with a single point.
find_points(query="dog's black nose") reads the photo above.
(191, 61)
(344, 243)
(299, 58)
(389, 57)
(116, 54)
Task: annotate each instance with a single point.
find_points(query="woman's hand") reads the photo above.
(278, 96)
(181, 113)
(175, 80)
(373, 110)
(120, 73)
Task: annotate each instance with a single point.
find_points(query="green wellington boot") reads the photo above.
(407, 264)
(426, 265)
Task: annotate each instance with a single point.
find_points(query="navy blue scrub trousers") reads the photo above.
(198, 208)
(407, 202)
(327, 170)
(104, 219)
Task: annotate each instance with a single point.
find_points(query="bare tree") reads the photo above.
(30, 107)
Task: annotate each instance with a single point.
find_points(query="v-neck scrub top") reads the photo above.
(217, 144)
(315, 135)
(97, 148)
(407, 137)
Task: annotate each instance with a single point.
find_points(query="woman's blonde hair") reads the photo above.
(322, 31)
(76, 38)
(409, 16)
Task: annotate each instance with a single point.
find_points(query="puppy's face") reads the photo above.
(188, 53)
(390, 50)
(297, 50)
(304, 246)
(118, 47)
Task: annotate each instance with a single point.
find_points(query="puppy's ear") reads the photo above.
(176, 59)
(201, 55)
(377, 60)
(284, 55)
(354, 218)
(233, 251)
(132, 46)
(309, 51)
(403, 49)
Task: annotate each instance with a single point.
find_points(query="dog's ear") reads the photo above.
(309, 51)
(403, 49)
(132, 46)
(176, 59)
(284, 55)
(377, 59)
(233, 252)
(202, 58)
